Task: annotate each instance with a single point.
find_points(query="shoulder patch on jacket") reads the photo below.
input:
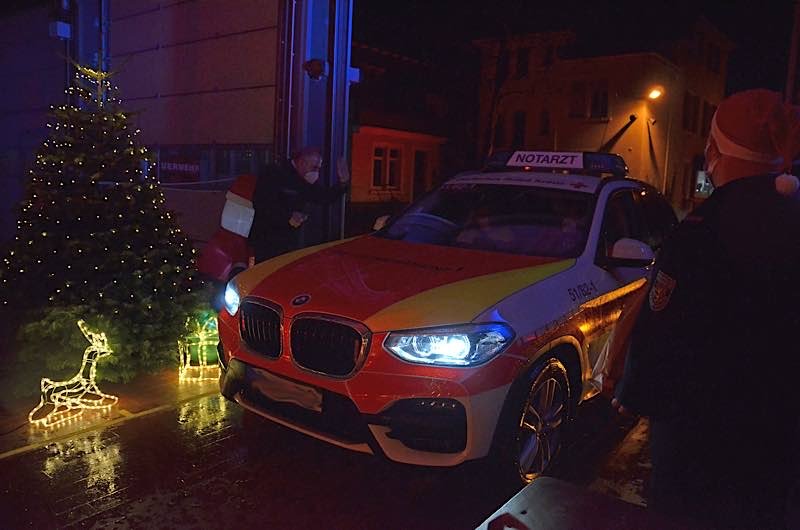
(661, 291)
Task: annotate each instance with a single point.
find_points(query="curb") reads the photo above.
(124, 416)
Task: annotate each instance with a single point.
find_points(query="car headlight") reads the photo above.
(231, 298)
(465, 345)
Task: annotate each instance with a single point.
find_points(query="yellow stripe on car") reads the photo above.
(461, 301)
(249, 279)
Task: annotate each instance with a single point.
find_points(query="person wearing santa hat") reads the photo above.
(714, 359)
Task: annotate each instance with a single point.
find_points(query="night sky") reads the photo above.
(429, 28)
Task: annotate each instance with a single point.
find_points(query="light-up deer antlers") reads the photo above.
(62, 401)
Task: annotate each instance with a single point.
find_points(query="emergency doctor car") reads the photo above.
(469, 326)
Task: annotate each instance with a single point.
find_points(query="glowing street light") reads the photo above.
(655, 93)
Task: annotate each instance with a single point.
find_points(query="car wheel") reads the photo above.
(534, 423)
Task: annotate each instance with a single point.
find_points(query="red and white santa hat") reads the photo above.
(757, 126)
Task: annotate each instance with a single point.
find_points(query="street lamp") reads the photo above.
(655, 93)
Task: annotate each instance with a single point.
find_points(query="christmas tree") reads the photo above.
(94, 241)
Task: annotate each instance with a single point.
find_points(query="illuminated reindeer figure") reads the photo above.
(65, 400)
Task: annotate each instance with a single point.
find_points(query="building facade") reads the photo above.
(217, 87)
(202, 79)
(393, 165)
(653, 107)
(37, 45)
(399, 133)
(396, 129)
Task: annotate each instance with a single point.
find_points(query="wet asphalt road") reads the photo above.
(208, 464)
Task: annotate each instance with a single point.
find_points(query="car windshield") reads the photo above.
(500, 218)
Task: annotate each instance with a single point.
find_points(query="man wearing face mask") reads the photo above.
(713, 359)
(280, 199)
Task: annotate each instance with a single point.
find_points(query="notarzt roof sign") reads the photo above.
(551, 159)
(573, 162)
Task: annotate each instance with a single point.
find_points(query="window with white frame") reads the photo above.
(386, 166)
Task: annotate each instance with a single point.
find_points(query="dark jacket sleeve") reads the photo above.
(271, 208)
(669, 332)
(321, 194)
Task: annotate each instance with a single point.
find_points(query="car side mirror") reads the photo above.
(380, 222)
(628, 252)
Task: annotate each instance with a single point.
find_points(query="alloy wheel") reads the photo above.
(539, 435)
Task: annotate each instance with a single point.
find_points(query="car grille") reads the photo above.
(260, 328)
(326, 346)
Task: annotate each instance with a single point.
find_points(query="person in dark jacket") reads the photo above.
(714, 355)
(280, 201)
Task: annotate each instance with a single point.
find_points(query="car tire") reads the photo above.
(531, 427)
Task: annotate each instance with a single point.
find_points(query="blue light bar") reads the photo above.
(605, 162)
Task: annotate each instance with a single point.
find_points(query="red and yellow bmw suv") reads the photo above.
(470, 325)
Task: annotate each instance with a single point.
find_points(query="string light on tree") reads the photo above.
(92, 222)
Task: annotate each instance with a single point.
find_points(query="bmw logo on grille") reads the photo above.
(300, 299)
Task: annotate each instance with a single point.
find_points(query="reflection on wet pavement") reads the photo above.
(202, 416)
(144, 395)
(100, 457)
(205, 463)
(616, 478)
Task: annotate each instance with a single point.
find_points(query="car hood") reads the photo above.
(390, 284)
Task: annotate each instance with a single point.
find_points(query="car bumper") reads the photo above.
(408, 413)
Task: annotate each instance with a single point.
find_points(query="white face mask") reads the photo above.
(311, 176)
